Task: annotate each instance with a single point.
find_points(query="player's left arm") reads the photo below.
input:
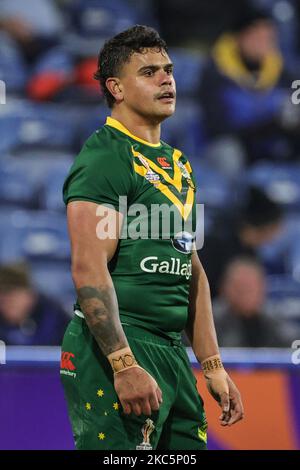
(201, 332)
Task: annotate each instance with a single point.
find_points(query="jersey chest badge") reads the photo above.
(167, 184)
(150, 176)
(185, 174)
(164, 163)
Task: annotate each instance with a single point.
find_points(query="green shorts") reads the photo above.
(95, 412)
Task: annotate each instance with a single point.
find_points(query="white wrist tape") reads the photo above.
(122, 359)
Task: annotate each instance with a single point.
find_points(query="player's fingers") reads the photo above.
(224, 418)
(154, 403)
(159, 395)
(146, 408)
(126, 407)
(225, 402)
(225, 405)
(237, 413)
(136, 408)
(235, 417)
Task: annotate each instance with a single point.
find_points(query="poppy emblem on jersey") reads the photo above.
(147, 430)
(185, 174)
(150, 176)
(164, 163)
(66, 362)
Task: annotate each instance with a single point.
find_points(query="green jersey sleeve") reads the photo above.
(101, 173)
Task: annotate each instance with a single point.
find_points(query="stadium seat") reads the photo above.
(283, 298)
(33, 235)
(52, 198)
(27, 125)
(55, 280)
(281, 182)
(51, 75)
(282, 254)
(31, 179)
(187, 70)
(101, 17)
(94, 21)
(91, 118)
(213, 189)
(19, 183)
(13, 70)
(56, 59)
(185, 129)
(281, 286)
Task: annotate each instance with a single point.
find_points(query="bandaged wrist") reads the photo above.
(122, 359)
(212, 364)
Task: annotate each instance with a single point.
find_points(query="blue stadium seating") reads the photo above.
(280, 181)
(13, 70)
(185, 129)
(28, 125)
(101, 17)
(33, 235)
(213, 188)
(55, 280)
(19, 183)
(94, 21)
(91, 118)
(282, 254)
(33, 179)
(187, 70)
(283, 299)
(52, 185)
(56, 59)
(282, 286)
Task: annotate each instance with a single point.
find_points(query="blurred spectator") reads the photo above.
(257, 222)
(245, 91)
(239, 311)
(35, 25)
(27, 317)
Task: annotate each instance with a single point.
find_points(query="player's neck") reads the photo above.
(138, 126)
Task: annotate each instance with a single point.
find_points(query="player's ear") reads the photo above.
(115, 88)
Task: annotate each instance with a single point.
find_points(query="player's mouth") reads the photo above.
(167, 97)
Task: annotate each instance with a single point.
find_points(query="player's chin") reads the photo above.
(167, 110)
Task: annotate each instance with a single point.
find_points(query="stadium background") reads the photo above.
(52, 105)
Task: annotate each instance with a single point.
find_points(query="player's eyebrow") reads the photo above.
(154, 68)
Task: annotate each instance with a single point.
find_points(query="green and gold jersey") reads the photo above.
(151, 268)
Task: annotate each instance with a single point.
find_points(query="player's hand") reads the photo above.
(225, 392)
(236, 408)
(137, 390)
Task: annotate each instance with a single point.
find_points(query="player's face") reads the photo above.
(148, 85)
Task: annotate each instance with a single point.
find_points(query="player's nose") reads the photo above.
(166, 78)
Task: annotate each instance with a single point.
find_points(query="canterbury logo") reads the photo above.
(163, 162)
(66, 362)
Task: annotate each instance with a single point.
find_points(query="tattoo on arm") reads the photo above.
(100, 308)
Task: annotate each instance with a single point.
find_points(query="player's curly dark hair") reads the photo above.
(118, 50)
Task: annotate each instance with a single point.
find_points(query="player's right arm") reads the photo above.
(137, 390)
